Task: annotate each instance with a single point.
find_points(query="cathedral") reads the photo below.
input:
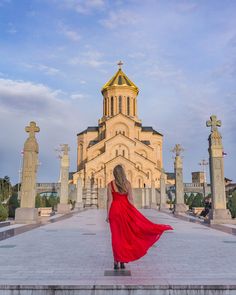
(119, 138)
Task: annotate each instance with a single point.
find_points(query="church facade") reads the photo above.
(119, 138)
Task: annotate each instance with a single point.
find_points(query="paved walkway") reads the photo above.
(77, 251)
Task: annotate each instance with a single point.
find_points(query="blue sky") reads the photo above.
(57, 54)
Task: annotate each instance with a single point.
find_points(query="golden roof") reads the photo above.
(120, 79)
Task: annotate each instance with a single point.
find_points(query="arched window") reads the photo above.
(112, 106)
(148, 175)
(120, 104)
(128, 106)
(117, 153)
(105, 106)
(81, 152)
(123, 153)
(139, 183)
(134, 106)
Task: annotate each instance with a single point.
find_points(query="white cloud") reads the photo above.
(11, 29)
(51, 71)
(82, 6)
(77, 96)
(59, 117)
(120, 18)
(91, 58)
(69, 33)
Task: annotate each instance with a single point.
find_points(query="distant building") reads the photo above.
(198, 177)
(170, 178)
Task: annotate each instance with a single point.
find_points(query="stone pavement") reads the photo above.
(77, 251)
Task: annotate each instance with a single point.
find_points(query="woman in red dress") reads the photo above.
(132, 233)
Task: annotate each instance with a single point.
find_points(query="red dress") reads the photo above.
(132, 233)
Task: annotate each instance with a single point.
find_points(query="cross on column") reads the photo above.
(177, 149)
(31, 129)
(120, 63)
(213, 123)
(65, 149)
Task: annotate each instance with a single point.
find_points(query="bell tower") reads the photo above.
(119, 96)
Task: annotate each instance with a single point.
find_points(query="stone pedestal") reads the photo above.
(180, 206)
(88, 193)
(63, 206)
(27, 212)
(163, 204)
(79, 196)
(26, 215)
(153, 196)
(143, 198)
(219, 213)
(146, 198)
(94, 196)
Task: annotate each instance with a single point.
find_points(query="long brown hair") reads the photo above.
(120, 179)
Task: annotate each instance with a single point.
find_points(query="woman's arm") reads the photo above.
(130, 194)
(109, 200)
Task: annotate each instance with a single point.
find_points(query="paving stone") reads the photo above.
(71, 251)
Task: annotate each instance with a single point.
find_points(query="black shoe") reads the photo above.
(116, 265)
(122, 265)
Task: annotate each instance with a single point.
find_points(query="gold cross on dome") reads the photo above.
(213, 123)
(120, 63)
(32, 128)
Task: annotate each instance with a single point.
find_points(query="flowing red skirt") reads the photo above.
(132, 233)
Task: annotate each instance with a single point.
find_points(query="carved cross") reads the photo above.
(213, 123)
(177, 149)
(65, 149)
(31, 129)
(120, 63)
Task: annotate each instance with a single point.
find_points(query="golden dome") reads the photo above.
(120, 79)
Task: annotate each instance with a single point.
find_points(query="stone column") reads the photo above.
(88, 193)
(143, 197)
(153, 196)
(63, 207)
(79, 194)
(163, 204)
(147, 198)
(27, 213)
(218, 213)
(180, 206)
(94, 195)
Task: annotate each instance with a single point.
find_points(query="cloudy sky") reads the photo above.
(55, 55)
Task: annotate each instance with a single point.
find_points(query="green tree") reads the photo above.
(198, 201)
(12, 204)
(5, 188)
(190, 200)
(3, 213)
(52, 201)
(185, 198)
(232, 205)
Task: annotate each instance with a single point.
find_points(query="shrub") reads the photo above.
(185, 198)
(3, 213)
(37, 201)
(198, 201)
(232, 205)
(52, 201)
(13, 203)
(190, 200)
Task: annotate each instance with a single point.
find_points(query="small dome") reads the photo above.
(120, 79)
